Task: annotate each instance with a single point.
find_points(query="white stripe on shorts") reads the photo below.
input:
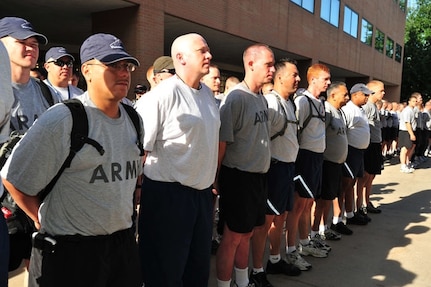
(349, 170)
(272, 207)
(304, 185)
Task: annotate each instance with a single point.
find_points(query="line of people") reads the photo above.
(268, 160)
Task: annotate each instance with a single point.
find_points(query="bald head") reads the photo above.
(191, 56)
(378, 88)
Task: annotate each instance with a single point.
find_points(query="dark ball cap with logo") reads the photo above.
(20, 29)
(56, 53)
(106, 48)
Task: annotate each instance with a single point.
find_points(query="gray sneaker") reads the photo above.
(319, 242)
(295, 259)
(311, 249)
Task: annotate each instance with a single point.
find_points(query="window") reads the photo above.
(350, 22)
(366, 32)
(330, 10)
(380, 41)
(306, 4)
(389, 47)
(403, 5)
(398, 52)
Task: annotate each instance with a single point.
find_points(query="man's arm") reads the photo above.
(29, 204)
(410, 131)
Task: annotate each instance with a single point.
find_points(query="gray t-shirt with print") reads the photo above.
(95, 195)
(336, 137)
(28, 106)
(245, 129)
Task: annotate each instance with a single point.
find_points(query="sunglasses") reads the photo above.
(61, 63)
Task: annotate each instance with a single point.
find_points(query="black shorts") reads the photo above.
(386, 133)
(373, 159)
(242, 199)
(99, 261)
(331, 180)
(354, 165)
(394, 133)
(404, 140)
(281, 187)
(308, 170)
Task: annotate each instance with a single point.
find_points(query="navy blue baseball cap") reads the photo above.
(106, 48)
(20, 29)
(56, 53)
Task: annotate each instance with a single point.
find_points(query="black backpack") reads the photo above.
(17, 220)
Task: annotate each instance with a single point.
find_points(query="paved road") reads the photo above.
(393, 250)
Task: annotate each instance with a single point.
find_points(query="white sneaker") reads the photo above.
(311, 249)
(406, 169)
(295, 259)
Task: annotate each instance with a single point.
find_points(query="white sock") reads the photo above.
(322, 228)
(274, 258)
(335, 220)
(313, 233)
(350, 214)
(241, 277)
(304, 241)
(290, 249)
(221, 283)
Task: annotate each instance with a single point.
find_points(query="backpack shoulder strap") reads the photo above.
(78, 137)
(310, 115)
(133, 115)
(282, 131)
(46, 92)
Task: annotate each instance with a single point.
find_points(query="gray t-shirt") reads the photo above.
(285, 147)
(245, 129)
(407, 116)
(181, 133)
(6, 98)
(336, 138)
(6, 95)
(373, 117)
(358, 130)
(28, 106)
(95, 195)
(312, 137)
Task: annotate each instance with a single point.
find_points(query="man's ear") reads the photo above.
(86, 71)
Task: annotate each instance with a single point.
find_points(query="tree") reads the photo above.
(417, 52)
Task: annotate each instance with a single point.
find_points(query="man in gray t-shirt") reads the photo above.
(245, 157)
(92, 203)
(373, 159)
(22, 44)
(407, 137)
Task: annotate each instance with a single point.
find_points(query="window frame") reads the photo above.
(334, 7)
(351, 31)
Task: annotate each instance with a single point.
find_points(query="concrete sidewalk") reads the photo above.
(393, 250)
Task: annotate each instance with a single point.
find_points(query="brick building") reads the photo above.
(358, 39)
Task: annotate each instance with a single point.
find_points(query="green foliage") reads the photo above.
(417, 51)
